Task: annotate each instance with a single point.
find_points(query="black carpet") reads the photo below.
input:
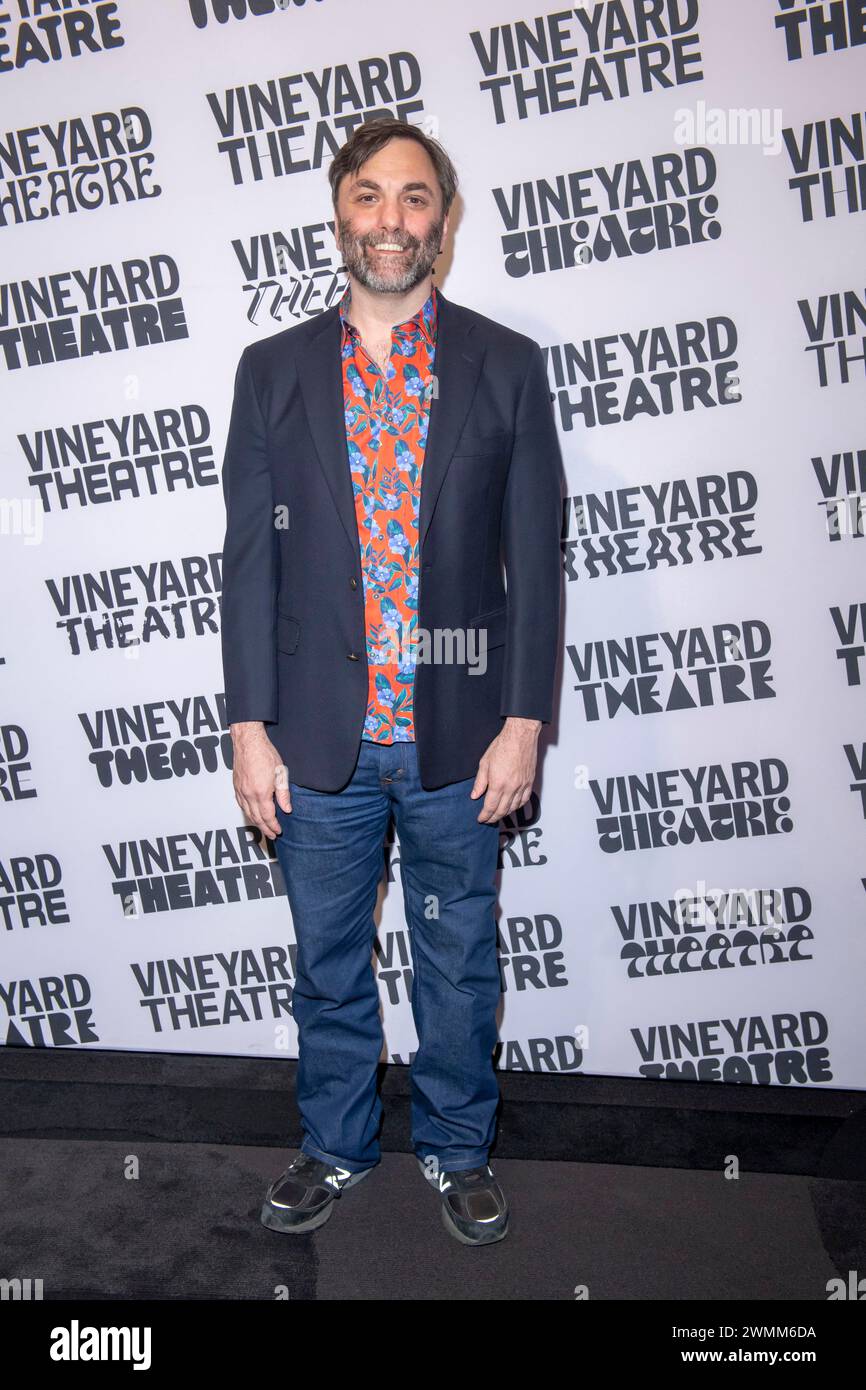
(130, 1175)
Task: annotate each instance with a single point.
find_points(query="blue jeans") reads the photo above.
(331, 855)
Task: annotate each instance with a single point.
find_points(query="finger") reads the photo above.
(282, 790)
(480, 782)
(493, 806)
(519, 799)
(266, 818)
(510, 801)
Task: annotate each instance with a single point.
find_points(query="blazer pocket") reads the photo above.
(288, 632)
(482, 445)
(494, 624)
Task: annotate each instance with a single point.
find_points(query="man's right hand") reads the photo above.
(259, 775)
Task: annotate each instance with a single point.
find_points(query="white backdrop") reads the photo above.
(696, 277)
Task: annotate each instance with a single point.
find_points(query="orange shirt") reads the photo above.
(387, 416)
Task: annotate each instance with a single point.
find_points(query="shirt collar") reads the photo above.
(427, 318)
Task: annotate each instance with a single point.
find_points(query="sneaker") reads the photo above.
(302, 1198)
(474, 1208)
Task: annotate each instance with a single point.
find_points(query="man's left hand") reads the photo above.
(507, 769)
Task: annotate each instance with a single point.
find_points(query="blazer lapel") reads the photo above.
(320, 372)
(456, 366)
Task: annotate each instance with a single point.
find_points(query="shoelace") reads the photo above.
(472, 1175)
(335, 1177)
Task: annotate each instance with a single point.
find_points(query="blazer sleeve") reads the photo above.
(531, 532)
(250, 575)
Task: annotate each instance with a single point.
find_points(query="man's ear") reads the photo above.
(444, 232)
(336, 217)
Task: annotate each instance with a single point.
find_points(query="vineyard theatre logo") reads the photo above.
(73, 28)
(53, 1011)
(817, 27)
(169, 873)
(134, 605)
(31, 892)
(83, 313)
(692, 668)
(843, 494)
(152, 454)
(850, 625)
(684, 806)
(159, 741)
(857, 763)
(631, 530)
(295, 275)
(181, 994)
(293, 124)
(780, 1050)
(587, 55)
(829, 163)
(559, 1053)
(527, 948)
(78, 165)
(520, 836)
(16, 769)
(654, 372)
(595, 214)
(836, 328)
(530, 954)
(716, 929)
(223, 10)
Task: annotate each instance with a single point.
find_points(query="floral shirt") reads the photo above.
(386, 431)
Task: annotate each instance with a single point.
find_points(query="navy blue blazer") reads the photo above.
(293, 629)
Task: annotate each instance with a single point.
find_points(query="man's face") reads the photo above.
(390, 225)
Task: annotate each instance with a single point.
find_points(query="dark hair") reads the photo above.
(370, 137)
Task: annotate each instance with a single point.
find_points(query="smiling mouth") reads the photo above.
(389, 246)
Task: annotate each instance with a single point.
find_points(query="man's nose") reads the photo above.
(392, 216)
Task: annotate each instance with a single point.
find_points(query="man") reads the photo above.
(383, 459)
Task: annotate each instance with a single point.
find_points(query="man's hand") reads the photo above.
(259, 775)
(507, 769)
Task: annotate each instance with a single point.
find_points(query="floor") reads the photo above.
(98, 1219)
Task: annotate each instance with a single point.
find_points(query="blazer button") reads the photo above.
(353, 656)
(353, 581)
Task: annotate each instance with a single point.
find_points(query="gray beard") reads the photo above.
(413, 271)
